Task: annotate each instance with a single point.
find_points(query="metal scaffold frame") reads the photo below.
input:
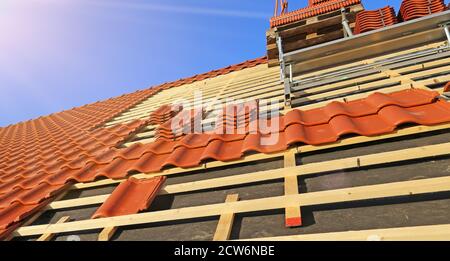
(295, 63)
(286, 71)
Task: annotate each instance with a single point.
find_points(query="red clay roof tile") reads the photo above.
(4, 233)
(130, 197)
(16, 212)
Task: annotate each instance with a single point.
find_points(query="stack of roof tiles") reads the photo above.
(39, 158)
(236, 118)
(315, 8)
(412, 9)
(316, 2)
(375, 19)
(163, 114)
(187, 121)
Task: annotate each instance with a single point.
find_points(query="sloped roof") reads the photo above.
(39, 157)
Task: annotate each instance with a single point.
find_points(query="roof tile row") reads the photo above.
(295, 127)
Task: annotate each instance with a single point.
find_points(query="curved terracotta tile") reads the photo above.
(149, 163)
(264, 143)
(358, 108)
(193, 141)
(223, 151)
(61, 177)
(314, 135)
(184, 157)
(430, 114)
(130, 197)
(30, 196)
(16, 212)
(160, 147)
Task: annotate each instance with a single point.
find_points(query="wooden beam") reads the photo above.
(303, 170)
(397, 189)
(49, 236)
(225, 225)
(405, 79)
(107, 233)
(293, 216)
(70, 203)
(417, 233)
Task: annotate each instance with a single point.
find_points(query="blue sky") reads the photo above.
(58, 54)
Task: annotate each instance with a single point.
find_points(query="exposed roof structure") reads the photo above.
(365, 112)
(35, 153)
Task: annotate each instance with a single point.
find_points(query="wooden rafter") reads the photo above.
(225, 225)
